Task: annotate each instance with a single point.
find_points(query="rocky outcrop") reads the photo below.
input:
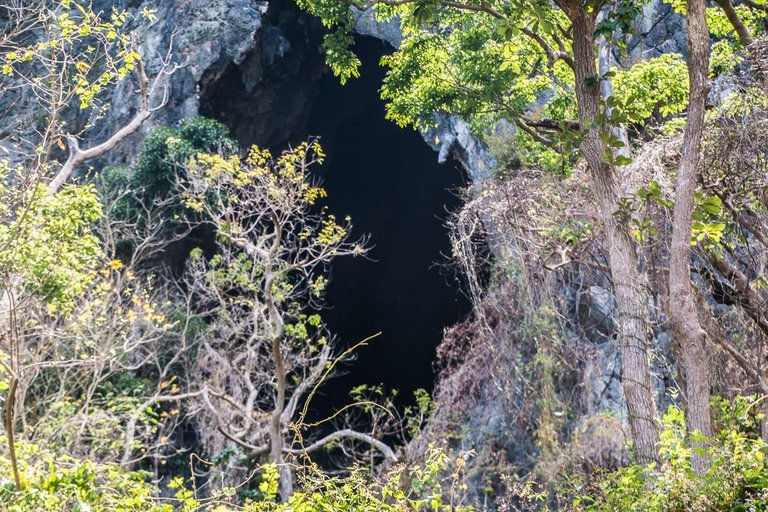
(268, 95)
(203, 37)
(659, 30)
(256, 65)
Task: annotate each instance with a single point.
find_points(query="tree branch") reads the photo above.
(385, 450)
(77, 156)
(715, 333)
(130, 428)
(749, 299)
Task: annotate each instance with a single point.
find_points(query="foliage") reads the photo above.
(49, 241)
(53, 483)
(475, 72)
(517, 150)
(736, 479)
(652, 89)
(727, 50)
(433, 485)
(480, 67)
(167, 150)
(84, 51)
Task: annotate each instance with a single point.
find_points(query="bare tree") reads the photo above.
(266, 349)
(106, 373)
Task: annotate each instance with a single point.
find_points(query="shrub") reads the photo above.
(55, 483)
(737, 478)
(167, 149)
(654, 88)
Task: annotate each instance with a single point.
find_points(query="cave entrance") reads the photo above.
(388, 180)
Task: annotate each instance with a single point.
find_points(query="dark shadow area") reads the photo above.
(388, 180)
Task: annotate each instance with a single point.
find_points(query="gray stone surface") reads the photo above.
(659, 30)
(389, 31)
(204, 37)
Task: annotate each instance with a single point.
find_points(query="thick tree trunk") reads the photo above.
(690, 335)
(631, 299)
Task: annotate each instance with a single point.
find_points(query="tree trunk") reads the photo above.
(683, 316)
(276, 440)
(10, 426)
(631, 298)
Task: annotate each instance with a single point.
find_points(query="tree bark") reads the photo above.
(764, 421)
(276, 440)
(690, 335)
(9, 421)
(631, 299)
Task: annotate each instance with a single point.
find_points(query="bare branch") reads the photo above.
(385, 450)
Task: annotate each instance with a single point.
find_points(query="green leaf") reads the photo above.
(622, 160)
(713, 205)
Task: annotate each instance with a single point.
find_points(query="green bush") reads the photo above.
(53, 483)
(433, 485)
(56, 484)
(736, 480)
(653, 88)
(168, 149)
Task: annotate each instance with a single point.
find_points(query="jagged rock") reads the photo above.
(269, 94)
(452, 138)
(389, 31)
(659, 30)
(204, 36)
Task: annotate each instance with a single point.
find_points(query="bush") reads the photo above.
(434, 485)
(55, 484)
(167, 149)
(737, 478)
(654, 88)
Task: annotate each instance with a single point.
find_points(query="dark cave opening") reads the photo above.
(388, 180)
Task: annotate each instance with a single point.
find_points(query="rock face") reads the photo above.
(659, 30)
(388, 31)
(267, 96)
(204, 37)
(254, 60)
(452, 138)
